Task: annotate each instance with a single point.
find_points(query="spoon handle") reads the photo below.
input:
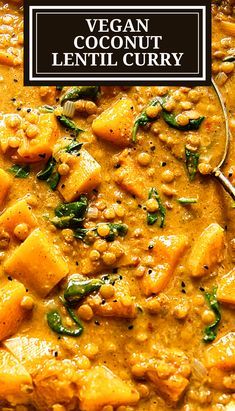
(225, 182)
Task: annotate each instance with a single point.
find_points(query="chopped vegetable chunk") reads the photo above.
(207, 251)
(115, 123)
(11, 312)
(226, 288)
(84, 176)
(101, 387)
(37, 263)
(18, 213)
(222, 353)
(5, 184)
(41, 146)
(15, 381)
(167, 251)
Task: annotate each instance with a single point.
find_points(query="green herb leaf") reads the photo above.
(48, 169)
(210, 331)
(171, 120)
(78, 288)
(19, 171)
(187, 200)
(70, 215)
(192, 159)
(116, 229)
(78, 92)
(49, 175)
(53, 180)
(143, 119)
(55, 323)
(74, 147)
(153, 217)
(78, 208)
(229, 59)
(69, 124)
(46, 109)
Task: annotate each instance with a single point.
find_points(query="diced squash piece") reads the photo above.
(228, 27)
(101, 387)
(120, 305)
(173, 387)
(56, 382)
(129, 177)
(15, 381)
(9, 59)
(226, 288)
(207, 251)
(167, 252)
(40, 147)
(37, 263)
(19, 213)
(5, 184)
(221, 354)
(84, 176)
(11, 312)
(31, 352)
(115, 124)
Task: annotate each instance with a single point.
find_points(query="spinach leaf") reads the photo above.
(79, 287)
(69, 124)
(192, 159)
(48, 169)
(53, 180)
(46, 109)
(74, 147)
(229, 59)
(210, 331)
(78, 208)
(55, 323)
(19, 171)
(143, 119)
(78, 92)
(70, 215)
(116, 229)
(171, 120)
(153, 217)
(187, 200)
(49, 174)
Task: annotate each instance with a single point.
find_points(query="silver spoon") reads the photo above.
(217, 173)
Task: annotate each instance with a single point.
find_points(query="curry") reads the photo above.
(117, 247)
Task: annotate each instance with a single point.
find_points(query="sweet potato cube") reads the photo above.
(101, 387)
(32, 150)
(11, 312)
(129, 177)
(207, 251)
(226, 288)
(167, 252)
(221, 354)
(5, 184)
(19, 213)
(37, 263)
(15, 381)
(115, 124)
(84, 176)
